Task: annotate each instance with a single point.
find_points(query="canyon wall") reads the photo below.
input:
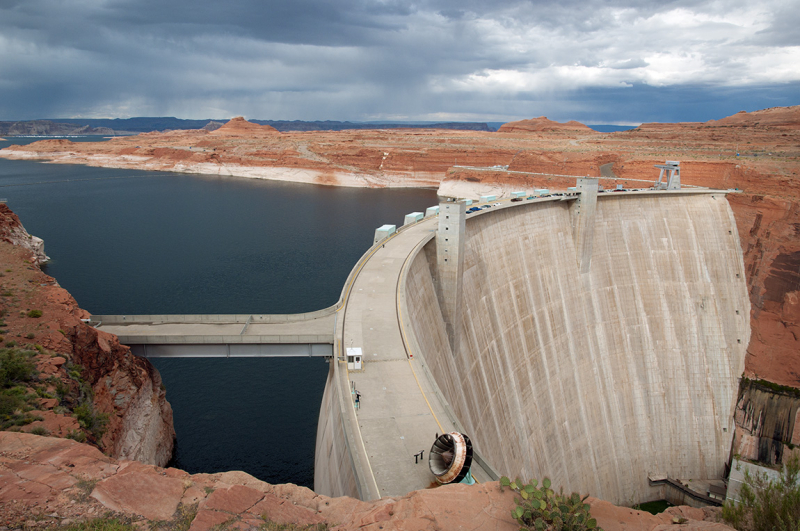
(600, 379)
(122, 388)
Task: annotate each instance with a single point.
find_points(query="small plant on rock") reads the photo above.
(35, 313)
(767, 505)
(540, 508)
(77, 435)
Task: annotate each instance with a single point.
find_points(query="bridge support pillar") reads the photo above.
(450, 260)
(583, 226)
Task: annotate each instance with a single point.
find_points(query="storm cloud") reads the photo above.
(597, 62)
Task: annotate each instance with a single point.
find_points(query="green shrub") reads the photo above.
(90, 420)
(62, 391)
(101, 524)
(40, 430)
(77, 435)
(767, 505)
(274, 526)
(35, 313)
(540, 508)
(30, 335)
(11, 344)
(9, 404)
(16, 366)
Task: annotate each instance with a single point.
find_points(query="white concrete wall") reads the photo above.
(334, 471)
(595, 380)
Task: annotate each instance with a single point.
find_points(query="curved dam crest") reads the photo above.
(597, 379)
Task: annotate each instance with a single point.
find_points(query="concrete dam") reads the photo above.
(596, 340)
(593, 338)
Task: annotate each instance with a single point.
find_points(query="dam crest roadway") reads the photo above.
(596, 338)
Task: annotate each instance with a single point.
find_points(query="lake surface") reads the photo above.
(132, 242)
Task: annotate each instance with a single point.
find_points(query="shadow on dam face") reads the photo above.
(602, 378)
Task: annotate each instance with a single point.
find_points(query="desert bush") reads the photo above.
(767, 505)
(77, 435)
(16, 366)
(91, 420)
(540, 508)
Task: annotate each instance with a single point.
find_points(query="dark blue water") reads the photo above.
(129, 242)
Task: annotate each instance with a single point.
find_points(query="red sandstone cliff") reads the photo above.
(122, 388)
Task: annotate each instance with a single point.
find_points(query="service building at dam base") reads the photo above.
(595, 338)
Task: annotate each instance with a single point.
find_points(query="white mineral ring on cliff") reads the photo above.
(450, 457)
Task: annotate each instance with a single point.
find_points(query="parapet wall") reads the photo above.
(600, 379)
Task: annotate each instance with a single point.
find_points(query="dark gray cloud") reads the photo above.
(372, 59)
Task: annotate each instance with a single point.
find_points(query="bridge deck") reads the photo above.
(132, 331)
(224, 336)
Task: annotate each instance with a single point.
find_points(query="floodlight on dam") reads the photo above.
(450, 458)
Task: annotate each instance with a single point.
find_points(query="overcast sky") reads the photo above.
(618, 61)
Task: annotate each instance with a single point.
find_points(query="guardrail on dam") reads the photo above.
(596, 342)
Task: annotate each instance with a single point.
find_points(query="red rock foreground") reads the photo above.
(47, 482)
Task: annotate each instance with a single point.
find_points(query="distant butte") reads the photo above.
(240, 127)
(784, 117)
(542, 124)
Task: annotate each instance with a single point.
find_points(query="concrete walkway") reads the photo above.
(400, 414)
(179, 329)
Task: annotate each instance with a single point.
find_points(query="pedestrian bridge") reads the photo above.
(226, 336)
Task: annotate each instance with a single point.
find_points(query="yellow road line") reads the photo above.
(425, 397)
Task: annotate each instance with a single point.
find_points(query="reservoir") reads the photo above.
(136, 242)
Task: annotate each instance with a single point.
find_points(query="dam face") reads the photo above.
(596, 375)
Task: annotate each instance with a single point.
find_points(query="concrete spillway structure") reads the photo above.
(601, 370)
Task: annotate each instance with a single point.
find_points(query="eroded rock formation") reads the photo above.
(46, 482)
